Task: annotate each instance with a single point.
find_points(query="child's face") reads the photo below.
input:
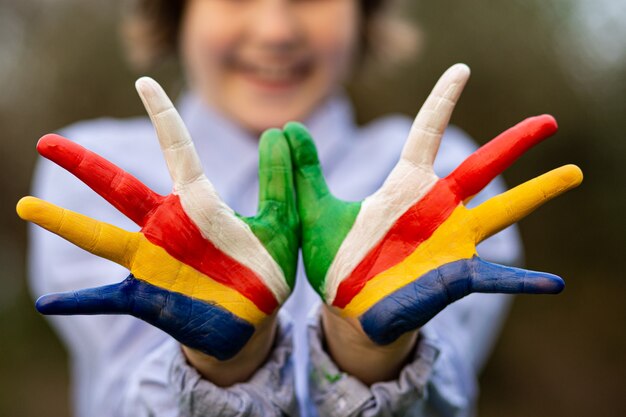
(265, 62)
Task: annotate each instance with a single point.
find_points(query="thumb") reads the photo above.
(310, 181)
(275, 171)
(109, 299)
(493, 278)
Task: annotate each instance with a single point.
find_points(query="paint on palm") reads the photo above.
(403, 254)
(198, 271)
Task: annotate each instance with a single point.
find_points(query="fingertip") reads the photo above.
(272, 138)
(48, 143)
(40, 212)
(306, 163)
(558, 284)
(549, 119)
(48, 304)
(274, 150)
(145, 84)
(297, 131)
(457, 74)
(26, 206)
(152, 95)
(462, 69)
(547, 124)
(272, 135)
(294, 126)
(560, 180)
(301, 144)
(146, 88)
(544, 283)
(572, 174)
(41, 305)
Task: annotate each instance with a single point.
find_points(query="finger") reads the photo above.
(125, 192)
(180, 154)
(275, 171)
(413, 305)
(96, 237)
(431, 121)
(507, 208)
(493, 278)
(203, 326)
(310, 181)
(277, 203)
(480, 168)
(101, 300)
(416, 303)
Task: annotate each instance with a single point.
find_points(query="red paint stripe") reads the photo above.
(171, 229)
(421, 220)
(412, 228)
(125, 192)
(480, 168)
(164, 222)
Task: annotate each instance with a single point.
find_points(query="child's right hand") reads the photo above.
(198, 271)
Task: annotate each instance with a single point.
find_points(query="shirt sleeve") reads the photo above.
(434, 383)
(167, 386)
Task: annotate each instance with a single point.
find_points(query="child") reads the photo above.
(253, 65)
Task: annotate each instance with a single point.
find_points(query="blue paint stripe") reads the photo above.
(203, 326)
(413, 305)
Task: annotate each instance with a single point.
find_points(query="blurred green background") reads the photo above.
(559, 356)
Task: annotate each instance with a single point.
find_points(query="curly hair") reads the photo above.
(151, 27)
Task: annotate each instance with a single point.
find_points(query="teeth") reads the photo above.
(273, 72)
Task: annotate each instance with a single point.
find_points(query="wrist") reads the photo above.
(240, 367)
(356, 354)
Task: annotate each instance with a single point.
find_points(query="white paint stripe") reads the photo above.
(180, 155)
(215, 220)
(405, 186)
(218, 224)
(432, 119)
(409, 181)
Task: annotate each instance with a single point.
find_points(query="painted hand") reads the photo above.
(395, 260)
(198, 271)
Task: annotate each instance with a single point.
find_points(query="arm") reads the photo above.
(389, 264)
(208, 277)
(166, 385)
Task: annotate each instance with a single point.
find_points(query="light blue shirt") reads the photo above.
(123, 366)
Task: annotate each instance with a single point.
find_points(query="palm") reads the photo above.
(403, 254)
(198, 271)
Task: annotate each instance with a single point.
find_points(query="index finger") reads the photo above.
(125, 192)
(180, 155)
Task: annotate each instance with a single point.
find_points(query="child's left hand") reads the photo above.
(392, 262)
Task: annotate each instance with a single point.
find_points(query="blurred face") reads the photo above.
(266, 62)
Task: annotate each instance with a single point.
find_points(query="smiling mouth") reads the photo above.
(277, 74)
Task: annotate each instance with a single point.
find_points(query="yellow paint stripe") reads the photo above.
(452, 241)
(146, 261)
(507, 208)
(100, 238)
(155, 266)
